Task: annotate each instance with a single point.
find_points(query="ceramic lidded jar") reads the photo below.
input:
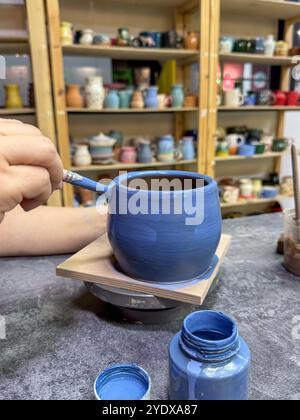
(74, 97)
(208, 360)
(95, 93)
(13, 97)
(177, 95)
(66, 33)
(157, 242)
(151, 100)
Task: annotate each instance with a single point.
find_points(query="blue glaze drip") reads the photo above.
(209, 360)
(123, 382)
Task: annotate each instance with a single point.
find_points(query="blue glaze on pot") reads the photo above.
(145, 153)
(123, 383)
(163, 248)
(112, 100)
(151, 100)
(209, 360)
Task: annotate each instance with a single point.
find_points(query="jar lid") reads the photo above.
(123, 383)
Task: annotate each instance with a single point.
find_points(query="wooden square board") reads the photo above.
(94, 264)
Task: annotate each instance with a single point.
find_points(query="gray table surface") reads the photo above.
(59, 337)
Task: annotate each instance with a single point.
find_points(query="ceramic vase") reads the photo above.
(208, 360)
(128, 155)
(82, 155)
(145, 154)
(177, 95)
(188, 148)
(137, 100)
(270, 45)
(13, 97)
(169, 246)
(166, 149)
(66, 33)
(95, 93)
(191, 41)
(112, 100)
(74, 97)
(123, 37)
(125, 98)
(151, 99)
(87, 37)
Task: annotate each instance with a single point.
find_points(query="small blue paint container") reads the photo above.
(209, 360)
(123, 383)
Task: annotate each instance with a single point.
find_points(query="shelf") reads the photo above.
(21, 111)
(271, 155)
(267, 8)
(129, 53)
(132, 167)
(129, 111)
(258, 108)
(244, 203)
(15, 46)
(257, 59)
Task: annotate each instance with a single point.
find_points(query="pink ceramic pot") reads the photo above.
(128, 155)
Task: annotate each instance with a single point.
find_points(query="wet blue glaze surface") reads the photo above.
(162, 248)
(123, 383)
(208, 359)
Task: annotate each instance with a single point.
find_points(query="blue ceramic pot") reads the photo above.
(151, 100)
(188, 149)
(166, 149)
(247, 150)
(145, 153)
(112, 100)
(177, 95)
(158, 244)
(209, 360)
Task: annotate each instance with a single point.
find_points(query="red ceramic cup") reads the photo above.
(293, 98)
(281, 98)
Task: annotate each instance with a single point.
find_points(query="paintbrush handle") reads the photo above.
(296, 181)
(83, 182)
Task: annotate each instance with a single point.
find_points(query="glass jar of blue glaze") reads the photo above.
(209, 360)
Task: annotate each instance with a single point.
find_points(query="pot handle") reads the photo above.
(86, 183)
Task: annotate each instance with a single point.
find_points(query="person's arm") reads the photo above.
(49, 230)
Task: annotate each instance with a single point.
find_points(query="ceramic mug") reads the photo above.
(234, 98)
(266, 97)
(280, 98)
(293, 98)
(234, 141)
(226, 44)
(250, 99)
(159, 247)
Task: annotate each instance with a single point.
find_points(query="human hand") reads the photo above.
(30, 167)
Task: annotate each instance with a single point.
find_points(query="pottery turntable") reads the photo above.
(139, 301)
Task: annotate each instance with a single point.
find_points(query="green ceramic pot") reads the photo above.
(260, 149)
(279, 145)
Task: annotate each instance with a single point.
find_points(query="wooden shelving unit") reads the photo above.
(138, 16)
(29, 17)
(249, 19)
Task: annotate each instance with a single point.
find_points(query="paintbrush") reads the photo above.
(83, 182)
(296, 188)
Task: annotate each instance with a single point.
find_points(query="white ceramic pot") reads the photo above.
(95, 93)
(82, 155)
(87, 37)
(270, 45)
(246, 188)
(234, 98)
